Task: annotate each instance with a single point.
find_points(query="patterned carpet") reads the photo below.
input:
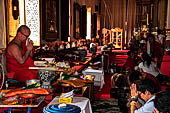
(105, 106)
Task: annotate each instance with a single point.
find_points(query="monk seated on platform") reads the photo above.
(19, 56)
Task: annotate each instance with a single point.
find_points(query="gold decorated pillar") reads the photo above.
(168, 25)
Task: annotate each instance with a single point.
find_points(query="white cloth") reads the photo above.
(151, 69)
(82, 102)
(99, 76)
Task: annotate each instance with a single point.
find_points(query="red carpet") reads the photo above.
(165, 66)
(119, 59)
(104, 93)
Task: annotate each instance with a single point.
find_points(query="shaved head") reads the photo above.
(23, 29)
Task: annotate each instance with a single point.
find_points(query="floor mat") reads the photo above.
(105, 106)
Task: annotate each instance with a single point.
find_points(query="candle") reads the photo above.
(68, 39)
(125, 36)
(147, 19)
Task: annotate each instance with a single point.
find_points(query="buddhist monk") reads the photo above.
(19, 56)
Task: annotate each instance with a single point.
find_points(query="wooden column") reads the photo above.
(64, 19)
(168, 25)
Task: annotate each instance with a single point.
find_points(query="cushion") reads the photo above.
(66, 109)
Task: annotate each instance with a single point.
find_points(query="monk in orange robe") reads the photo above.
(19, 56)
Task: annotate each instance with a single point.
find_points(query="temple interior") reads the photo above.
(80, 49)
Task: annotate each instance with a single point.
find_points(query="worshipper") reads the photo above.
(160, 37)
(100, 40)
(162, 102)
(120, 90)
(161, 40)
(132, 61)
(93, 49)
(135, 76)
(107, 38)
(134, 43)
(148, 66)
(167, 50)
(19, 56)
(145, 90)
(154, 49)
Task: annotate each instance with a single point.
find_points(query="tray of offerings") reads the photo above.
(47, 74)
(20, 101)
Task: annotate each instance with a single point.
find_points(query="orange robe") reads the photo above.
(21, 71)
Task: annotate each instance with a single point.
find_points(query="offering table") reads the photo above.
(81, 102)
(29, 106)
(47, 74)
(99, 76)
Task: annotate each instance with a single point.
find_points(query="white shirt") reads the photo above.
(103, 48)
(91, 45)
(148, 48)
(151, 69)
(148, 107)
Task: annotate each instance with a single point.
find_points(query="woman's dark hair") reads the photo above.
(146, 84)
(134, 75)
(129, 52)
(146, 58)
(151, 36)
(159, 31)
(162, 101)
(121, 81)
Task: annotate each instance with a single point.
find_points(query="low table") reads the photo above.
(81, 102)
(39, 101)
(99, 76)
(89, 87)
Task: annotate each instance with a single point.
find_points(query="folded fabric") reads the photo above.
(93, 71)
(34, 91)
